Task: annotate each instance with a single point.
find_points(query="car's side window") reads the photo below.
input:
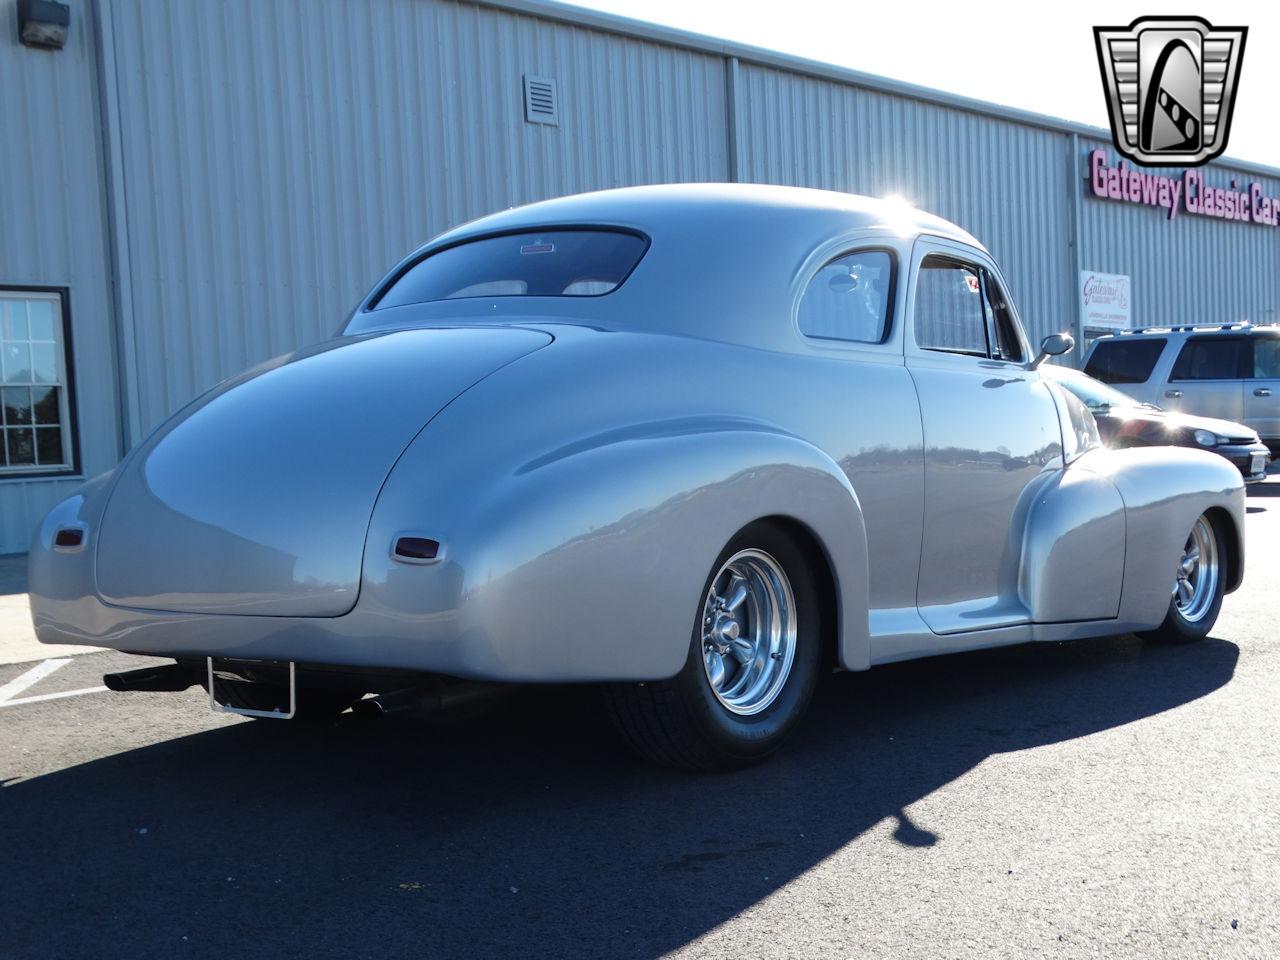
(1266, 358)
(1124, 361)
(1210, 358)
(950, 313)
(849, 298)
(1001, 327)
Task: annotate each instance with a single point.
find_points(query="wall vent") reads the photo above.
(540, 102)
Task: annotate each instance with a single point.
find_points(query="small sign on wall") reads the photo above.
(1104, 301)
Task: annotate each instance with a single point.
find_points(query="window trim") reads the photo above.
(396, 275)
(989, 277)
(72, 469)
(1244, 361)
(979, 269)
(890, 300)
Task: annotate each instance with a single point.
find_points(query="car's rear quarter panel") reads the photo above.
(591, 515)
(1164, 490)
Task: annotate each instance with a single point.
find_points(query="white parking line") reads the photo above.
(32, 676)
(50, 696)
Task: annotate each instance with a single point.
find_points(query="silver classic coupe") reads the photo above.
(696, 443)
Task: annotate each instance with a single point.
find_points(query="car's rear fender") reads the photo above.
(588, 563)
(1164, 490)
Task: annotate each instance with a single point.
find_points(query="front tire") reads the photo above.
(754, 658)
(1198, 588)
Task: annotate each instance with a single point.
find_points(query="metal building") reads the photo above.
(187, 187)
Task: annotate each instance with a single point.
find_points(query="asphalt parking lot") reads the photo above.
(1097, 799)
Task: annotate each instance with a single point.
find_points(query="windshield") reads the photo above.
(1096, 395)
(550, 263)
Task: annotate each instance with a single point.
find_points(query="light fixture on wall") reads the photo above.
(43, 23)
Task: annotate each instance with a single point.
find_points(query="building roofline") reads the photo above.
(702, 43)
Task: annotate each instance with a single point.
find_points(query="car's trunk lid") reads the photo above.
(256, 499)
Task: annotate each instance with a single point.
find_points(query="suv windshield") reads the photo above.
(550, 263)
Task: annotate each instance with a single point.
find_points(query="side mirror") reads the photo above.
(1054, 345)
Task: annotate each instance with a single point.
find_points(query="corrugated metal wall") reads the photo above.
(52, 233)
(280, 156)
(265, 160)
(1003, 182)
(1192, 269)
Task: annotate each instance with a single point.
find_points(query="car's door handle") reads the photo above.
(1261, 392)
(1173, 394)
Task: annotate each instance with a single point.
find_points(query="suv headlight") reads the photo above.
(1206, 438)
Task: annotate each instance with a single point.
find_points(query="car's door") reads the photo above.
(1207, 377)
(991, 435)
(852, 310)
(1262, 389)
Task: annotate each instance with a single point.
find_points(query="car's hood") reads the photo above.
(1174, 421)
(257, 498)
(1223, 428)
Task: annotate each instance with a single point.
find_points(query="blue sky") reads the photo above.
(1034, 56)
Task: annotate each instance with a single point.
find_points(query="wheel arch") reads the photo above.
(822, 569)
(1234, 543)
(1165, 489)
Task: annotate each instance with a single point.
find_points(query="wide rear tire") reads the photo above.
(754, 659)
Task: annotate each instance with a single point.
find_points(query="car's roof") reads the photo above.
(725, 261)
(660, 207)
(1194, 330)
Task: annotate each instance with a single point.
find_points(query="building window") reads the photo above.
(35, 383)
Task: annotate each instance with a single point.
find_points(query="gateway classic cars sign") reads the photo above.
(1190, 192)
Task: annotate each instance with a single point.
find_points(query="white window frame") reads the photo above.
(56, 297)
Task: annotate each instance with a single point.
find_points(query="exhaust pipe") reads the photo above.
(169, 678)
(429, 700)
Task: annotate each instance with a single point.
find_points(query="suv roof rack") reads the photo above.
(1191, 327)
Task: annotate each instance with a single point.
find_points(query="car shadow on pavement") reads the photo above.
(530, 832)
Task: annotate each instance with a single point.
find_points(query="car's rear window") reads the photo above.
(1124, 361)
(552, 263)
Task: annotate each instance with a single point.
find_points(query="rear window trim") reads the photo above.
(890, 306)
(398, 275)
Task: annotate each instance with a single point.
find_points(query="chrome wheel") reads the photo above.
(748, 632)
(1198, 572)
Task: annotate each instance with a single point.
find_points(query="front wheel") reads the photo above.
(753, 662)
(1198, 587)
